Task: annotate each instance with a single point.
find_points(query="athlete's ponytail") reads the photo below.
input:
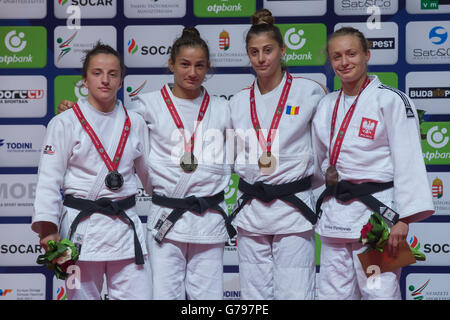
(263, 22)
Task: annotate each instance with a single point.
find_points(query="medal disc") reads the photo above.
(331, 176)
(188, 162)
(114, 180)
(267, 163)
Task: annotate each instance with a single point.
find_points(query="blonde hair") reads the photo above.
(349, 31)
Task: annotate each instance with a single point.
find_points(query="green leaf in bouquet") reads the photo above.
(371, 237)
(420, 114)
(417, 254)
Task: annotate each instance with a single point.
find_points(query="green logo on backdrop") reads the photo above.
(68, 88)
(23, 47)
(436, 146)
(429, 4)
(305, 43)
(231, 193)
(388, 78)
(224, 8)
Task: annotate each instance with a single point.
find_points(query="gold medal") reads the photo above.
(188, 162)
(331, 176)
(267, 163)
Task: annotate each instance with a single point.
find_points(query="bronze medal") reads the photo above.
(114, 180)
(188, 162)
(331, 176)
(267, 163)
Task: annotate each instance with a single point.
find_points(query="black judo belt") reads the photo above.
(181, 205)
(268, 192)
(109, 208)
(345, 191)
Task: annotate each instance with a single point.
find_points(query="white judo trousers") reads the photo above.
(188, 263)
(187, 270)
(275, 242)
(342, 277)
(270, 266)
(124, 280)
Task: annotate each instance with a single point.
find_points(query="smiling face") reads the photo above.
(189, 70)
(265, 55)
(103, 80)
(348, 59)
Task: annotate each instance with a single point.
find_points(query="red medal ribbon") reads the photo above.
(111, 165)
(334, 153)
(188, 147)
(267, 146)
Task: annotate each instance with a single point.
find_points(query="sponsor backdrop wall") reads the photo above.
(41, 43)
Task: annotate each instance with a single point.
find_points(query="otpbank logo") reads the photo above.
(304, 43)
(23, 47)
(224, 8)
(436, 146)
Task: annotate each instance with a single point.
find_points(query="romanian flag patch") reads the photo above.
(292, 110)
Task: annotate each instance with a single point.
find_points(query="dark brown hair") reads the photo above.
(263, 22)
(100, 48)
(189, 38)
(349, 31)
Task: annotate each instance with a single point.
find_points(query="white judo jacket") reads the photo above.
(166, 148)
(291, 147)
(382, 144)
(70, 162)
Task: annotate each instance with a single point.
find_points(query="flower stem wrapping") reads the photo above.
(59, 257)
(375, 235)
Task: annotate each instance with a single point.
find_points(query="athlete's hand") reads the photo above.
(47, 231)
(399, 232)
(65, 105)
